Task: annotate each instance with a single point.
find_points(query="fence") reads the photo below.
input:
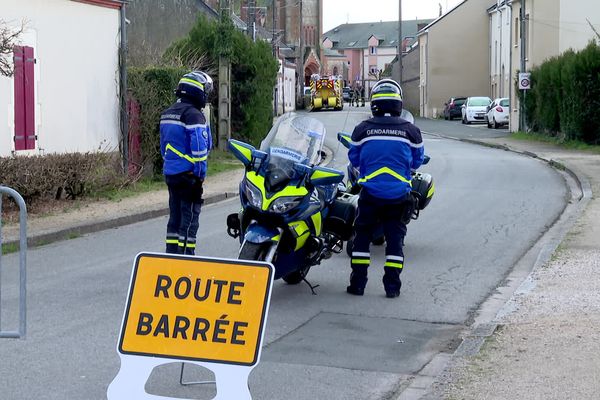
(20, 334)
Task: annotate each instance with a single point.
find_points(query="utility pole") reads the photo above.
(224, 87)
(522, 119)
(274, 45)
(300, 62)
(251, 19)
(400, 42)
(123, 89)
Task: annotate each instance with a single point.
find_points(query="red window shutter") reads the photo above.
(29, 83)
(24, 98)
(19, 78)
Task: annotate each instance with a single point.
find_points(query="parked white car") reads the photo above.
(474, 109)
(498, 113)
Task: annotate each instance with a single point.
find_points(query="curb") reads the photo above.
(74, 231)
(476, 334)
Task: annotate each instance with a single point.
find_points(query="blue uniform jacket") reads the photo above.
(385, 150)
(185, 140)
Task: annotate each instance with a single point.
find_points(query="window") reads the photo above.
(373, 69)
(516, 31)
(372, 50)
(24, 86)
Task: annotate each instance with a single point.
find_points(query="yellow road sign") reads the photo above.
(199, 309)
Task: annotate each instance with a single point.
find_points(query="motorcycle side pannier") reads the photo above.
(422, 186)
(342, 213)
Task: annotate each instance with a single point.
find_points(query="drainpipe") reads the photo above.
(123, 88)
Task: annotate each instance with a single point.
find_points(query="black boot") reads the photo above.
(358, 280)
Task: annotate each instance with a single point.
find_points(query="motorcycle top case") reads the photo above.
(422, 186)
(340, 219)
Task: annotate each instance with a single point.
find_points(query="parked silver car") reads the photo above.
(474, 109)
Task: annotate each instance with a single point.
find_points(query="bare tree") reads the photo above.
(593, 28)
(8, 38)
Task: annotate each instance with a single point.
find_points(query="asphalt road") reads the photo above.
(489, 208)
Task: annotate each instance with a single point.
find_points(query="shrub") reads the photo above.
(55, 176)
(153, 89)
(565, 96)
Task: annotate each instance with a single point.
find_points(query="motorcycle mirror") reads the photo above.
(407, 116)
(258, 157)
(426, 159)
(322, 176)
(302, 169)
(345, 139)
(242, 151)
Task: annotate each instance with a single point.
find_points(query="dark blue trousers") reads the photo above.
(373, 212)
(185, 202)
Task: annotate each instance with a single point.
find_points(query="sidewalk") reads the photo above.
(107, 214)
(546, 344)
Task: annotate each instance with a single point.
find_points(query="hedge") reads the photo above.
(56, 176)
(565, 96)
(153, 89)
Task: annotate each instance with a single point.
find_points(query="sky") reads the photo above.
(337, 12)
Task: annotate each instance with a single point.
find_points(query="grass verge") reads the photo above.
(218, 161)
(8, 248)
(558, 141)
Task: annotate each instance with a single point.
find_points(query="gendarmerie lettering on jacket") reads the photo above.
(386, 132)
(387, 128)
(175, 117)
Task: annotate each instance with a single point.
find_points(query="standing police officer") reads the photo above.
(385, 149)
(185, 142)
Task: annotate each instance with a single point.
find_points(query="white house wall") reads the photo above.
(500, 51)
(575, 32)
(286, 93)
(76, 93)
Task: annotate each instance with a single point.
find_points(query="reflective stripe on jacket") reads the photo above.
(185, 140)
(385, 150)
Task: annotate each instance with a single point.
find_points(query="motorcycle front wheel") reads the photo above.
(252, 251)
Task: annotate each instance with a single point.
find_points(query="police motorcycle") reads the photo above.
(291, 215)
(422, 185)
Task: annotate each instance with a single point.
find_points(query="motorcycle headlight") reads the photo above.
(284, 204)
(253, 194)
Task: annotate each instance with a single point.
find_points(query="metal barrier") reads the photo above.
(20, 334)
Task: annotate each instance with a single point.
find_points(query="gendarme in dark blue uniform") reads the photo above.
(385, 149)
(185, 142)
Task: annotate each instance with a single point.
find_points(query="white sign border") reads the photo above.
(231, 378)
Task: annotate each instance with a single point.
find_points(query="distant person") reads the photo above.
(355, 94)
(185, 142)
(385, 149)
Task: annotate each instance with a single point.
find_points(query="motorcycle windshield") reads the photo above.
(296, 138)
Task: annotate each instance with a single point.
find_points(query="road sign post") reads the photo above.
(524, 86)
(524, 81)
(204, 311)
